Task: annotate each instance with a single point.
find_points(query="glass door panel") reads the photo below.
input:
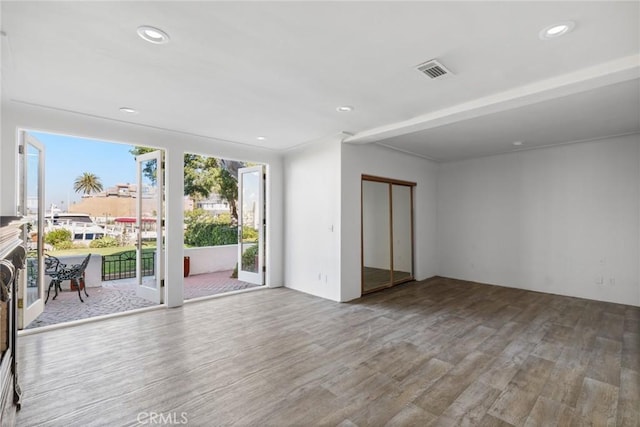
(376, 236)
(251, 225)
(30, 298)
(402, 233)
(149, 227)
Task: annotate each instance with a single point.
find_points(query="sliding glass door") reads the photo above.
(387, 232)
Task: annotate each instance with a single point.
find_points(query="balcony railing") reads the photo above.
(123, 265)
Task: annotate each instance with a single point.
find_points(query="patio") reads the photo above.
(118, 296)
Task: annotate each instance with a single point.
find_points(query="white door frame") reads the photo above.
(150, 288)
(28, 312)
(257, 216)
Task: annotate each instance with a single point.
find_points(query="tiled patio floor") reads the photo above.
(119, 295)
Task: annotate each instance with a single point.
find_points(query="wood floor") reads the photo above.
(441, 352)
(379, 278)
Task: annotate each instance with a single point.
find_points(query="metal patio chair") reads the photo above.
(74, 273)
(51, 267)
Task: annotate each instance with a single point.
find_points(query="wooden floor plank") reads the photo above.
(437, 398)
(412, 416)
(513, 405)
(533, 374)
(606, 362)
(612, 326)
(547, 412)
(507, 364)
(470, 407)
(631, 351)
(564, 384)
(520, 395)
(491, 421)
(629, 395)
(598, 403)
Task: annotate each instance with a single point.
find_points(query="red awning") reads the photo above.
(131, 219)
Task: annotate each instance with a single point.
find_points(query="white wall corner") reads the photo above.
(312, 215)
(381, 161)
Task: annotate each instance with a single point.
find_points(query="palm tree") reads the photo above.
(87, 183)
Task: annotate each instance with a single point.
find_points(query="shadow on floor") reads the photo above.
(118, 296)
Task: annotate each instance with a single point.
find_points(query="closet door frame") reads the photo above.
(391, 182)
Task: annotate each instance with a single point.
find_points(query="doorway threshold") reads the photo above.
(225, 294)
(71, 323)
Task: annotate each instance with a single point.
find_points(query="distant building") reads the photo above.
(188, 204)
(214, 204)
(121, 190)
(120, 201)
(117, 201)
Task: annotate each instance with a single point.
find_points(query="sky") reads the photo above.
(67, 157)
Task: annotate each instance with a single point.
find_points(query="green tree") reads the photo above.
(149, 169)
(202, 229)
(202, 176)
(199, 175)
(87, 183)
(57, 236)
(227, 186)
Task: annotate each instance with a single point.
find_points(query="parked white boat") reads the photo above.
(83, 229)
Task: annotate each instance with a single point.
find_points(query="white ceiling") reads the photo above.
(238, 70)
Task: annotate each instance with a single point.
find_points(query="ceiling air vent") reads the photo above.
(434, 69)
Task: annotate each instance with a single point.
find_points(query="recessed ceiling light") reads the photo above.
(556, 30)
(344, 108)
(517, 143)
(153, 34)
(261, 138)
(128, 110)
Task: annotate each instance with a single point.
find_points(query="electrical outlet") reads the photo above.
(599, 280)
(612, 281)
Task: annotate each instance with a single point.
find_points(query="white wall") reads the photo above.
(18, 115)
(210, 259)
(312, 218)
(383, 162)
(554, 220)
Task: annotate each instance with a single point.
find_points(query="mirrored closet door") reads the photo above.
(387, 232)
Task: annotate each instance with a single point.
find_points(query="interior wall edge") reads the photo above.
(554, 292)
(312, 216)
